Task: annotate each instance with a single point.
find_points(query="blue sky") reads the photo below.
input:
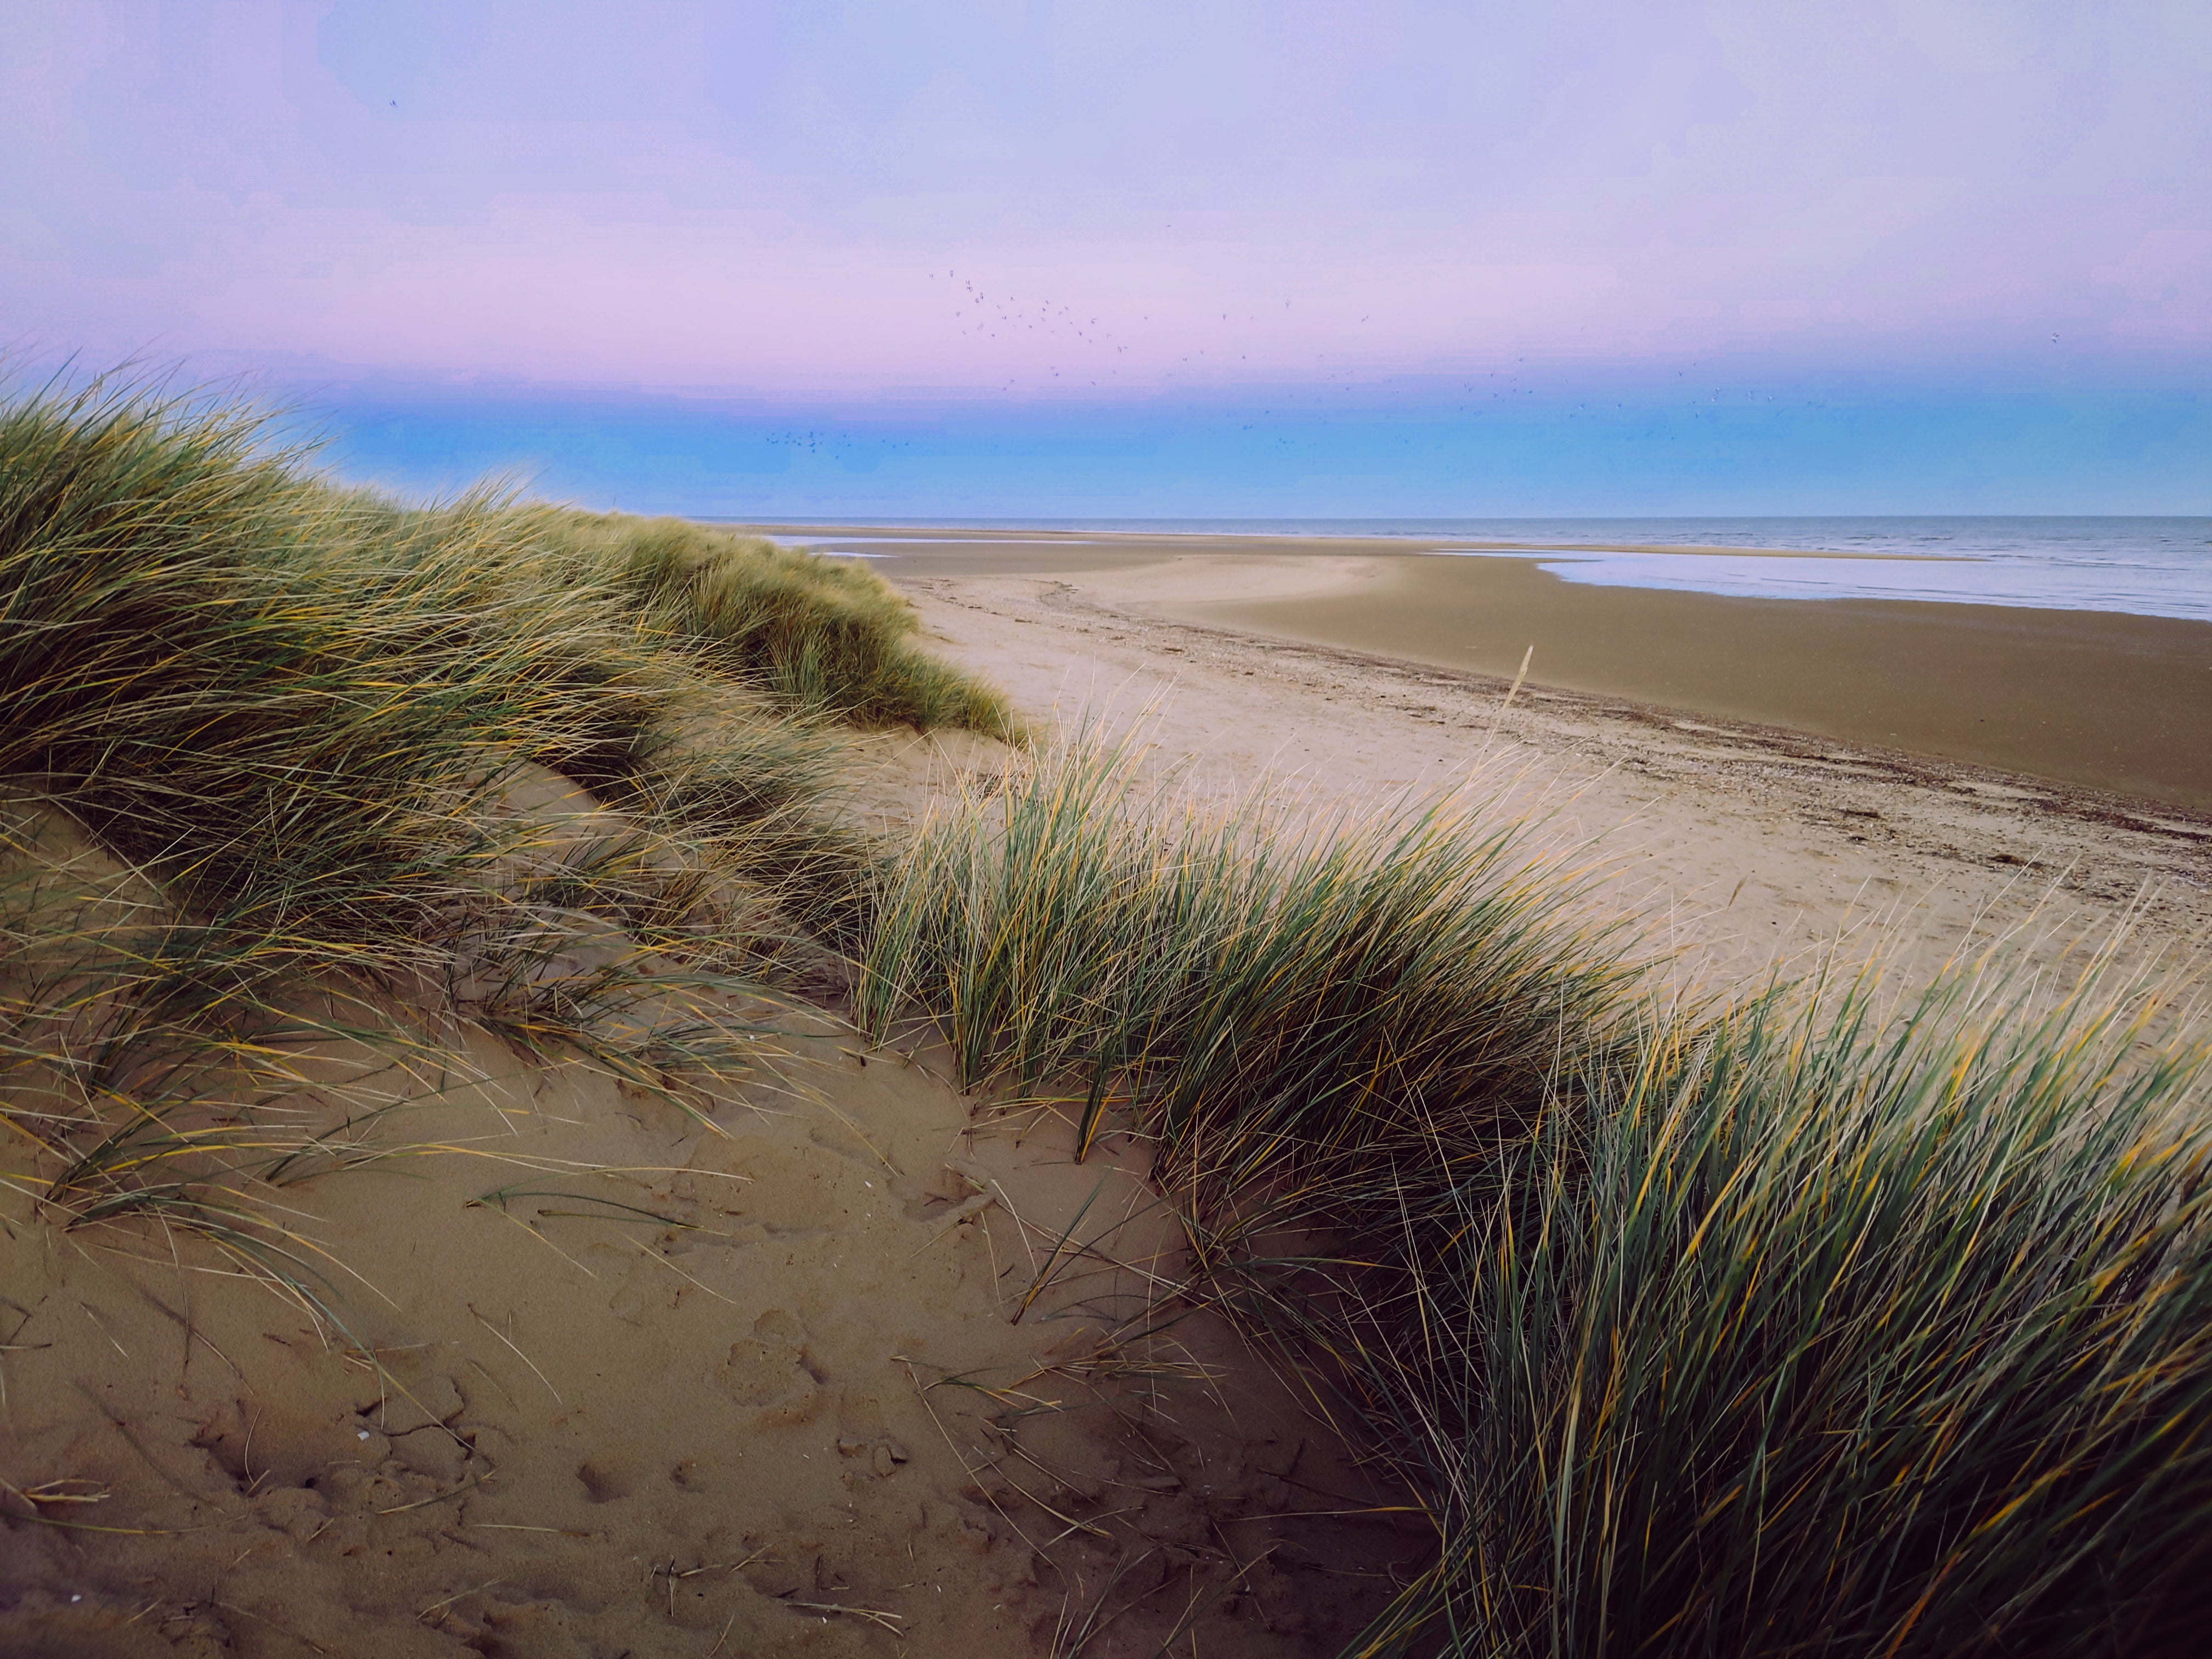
(1389, 452)
(1391, 258)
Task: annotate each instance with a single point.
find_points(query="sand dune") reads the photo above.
(840, 1360)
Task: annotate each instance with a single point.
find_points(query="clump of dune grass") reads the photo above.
(340, 756)
(1772, 1327)
(293, 702)
(1815, 1330)
(1266, 1001)
(302, 705)
(305, 698)
(823, 635)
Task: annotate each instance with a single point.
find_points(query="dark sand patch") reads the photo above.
(2110, 701)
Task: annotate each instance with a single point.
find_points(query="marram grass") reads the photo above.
(268, 749)
(1787, 1327)
(1272, 1001)
(1816, 1331)
(821, 635)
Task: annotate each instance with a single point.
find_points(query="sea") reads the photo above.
(2151, 567)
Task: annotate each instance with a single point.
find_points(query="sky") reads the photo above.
(1027, 258)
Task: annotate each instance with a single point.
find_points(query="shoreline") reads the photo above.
(2110, 702)
(1433, 544)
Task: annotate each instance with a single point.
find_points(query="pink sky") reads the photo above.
(808, 199)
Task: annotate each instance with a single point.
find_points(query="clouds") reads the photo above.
(762, 197)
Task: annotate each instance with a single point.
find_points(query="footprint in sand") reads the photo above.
(772, 1371)
(604, 1482)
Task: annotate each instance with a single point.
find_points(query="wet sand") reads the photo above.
(2114, 703)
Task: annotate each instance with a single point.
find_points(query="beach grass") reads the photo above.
(294, 770)
(1815, 1330)
(823, 635)
(1264, 993)
(1784, 1324)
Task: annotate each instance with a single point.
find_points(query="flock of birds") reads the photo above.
(980, 315)
(837, 444)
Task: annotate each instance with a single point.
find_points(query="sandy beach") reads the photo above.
(1105, 832)
(846, 1361)
(1759, 841)
(2095, 701)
